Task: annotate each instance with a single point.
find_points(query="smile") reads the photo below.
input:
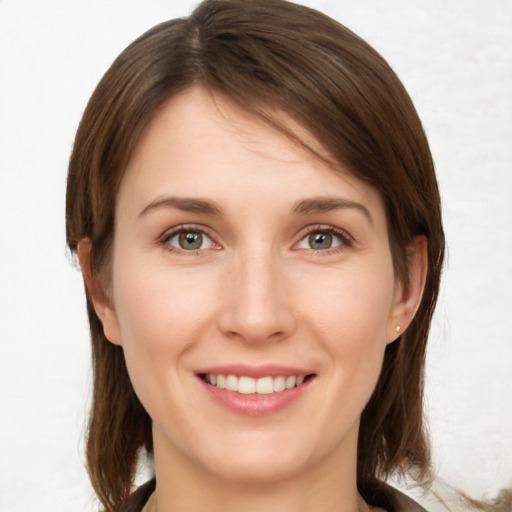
(247, 385)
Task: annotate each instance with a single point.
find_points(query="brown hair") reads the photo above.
(268, 56)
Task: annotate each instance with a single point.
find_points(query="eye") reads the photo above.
(324, 240)
(189, 240)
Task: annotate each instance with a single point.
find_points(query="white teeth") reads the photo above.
(231, 383)
(248, 385)
(290, 382)
(221, 381)
(279, 384)
(265, 386)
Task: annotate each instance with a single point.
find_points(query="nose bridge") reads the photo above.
(258, 309)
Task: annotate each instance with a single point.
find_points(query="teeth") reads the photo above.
(221, 381)
(231, 383)
(265, 386)
(290, 382)
(279, 384)
(248, 385)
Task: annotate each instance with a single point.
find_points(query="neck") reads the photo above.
(329, 485)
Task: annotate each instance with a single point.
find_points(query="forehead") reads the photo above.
(200, 117)
(201, 144)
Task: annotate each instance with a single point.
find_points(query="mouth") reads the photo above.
(246, 385)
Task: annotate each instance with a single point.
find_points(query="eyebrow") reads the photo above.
(187, 204)
(305, 206)
(327, 204)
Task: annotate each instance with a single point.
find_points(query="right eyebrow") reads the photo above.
(187, 204)
(326, 204)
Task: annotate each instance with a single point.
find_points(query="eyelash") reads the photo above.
(187, 228)
(346, 241)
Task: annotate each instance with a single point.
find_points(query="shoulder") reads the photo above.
(380, 494)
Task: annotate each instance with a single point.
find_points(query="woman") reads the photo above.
(253, 203)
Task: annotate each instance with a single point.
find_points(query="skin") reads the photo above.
(255, 293)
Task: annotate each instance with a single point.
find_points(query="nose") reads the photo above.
(258, 308)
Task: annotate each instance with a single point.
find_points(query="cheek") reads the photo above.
(160, 319)
(350, 319)
(352, 307)
(155, 308)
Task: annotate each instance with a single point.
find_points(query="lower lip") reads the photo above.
(254, 404)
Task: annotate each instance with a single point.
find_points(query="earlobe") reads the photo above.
(406, 300)
(102, 304)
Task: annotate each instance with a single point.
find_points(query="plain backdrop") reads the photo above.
(455, 58)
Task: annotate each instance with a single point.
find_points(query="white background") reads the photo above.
(455, 58)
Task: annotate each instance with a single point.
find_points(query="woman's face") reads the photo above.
(241, 260)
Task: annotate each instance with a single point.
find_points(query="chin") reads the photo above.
(258, 469)
(265, 457)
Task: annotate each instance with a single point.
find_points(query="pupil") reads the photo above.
(320, 240)
(190, 240)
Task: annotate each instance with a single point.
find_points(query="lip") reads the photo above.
(255, 405)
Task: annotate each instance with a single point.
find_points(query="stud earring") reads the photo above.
(398, 328)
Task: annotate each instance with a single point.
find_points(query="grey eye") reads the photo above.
(322, 240)
(319, 241)
(190, 240)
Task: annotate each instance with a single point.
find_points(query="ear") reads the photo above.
(102, 303)
(407, 300)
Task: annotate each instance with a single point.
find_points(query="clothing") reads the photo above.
(380, 494)
(137, 500)
(375, 493)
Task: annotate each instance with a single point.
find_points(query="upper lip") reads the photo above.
(256, 372)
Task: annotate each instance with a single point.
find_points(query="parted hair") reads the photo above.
(270, 57)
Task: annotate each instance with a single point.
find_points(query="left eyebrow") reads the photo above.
(327, 204)
(186, 204)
